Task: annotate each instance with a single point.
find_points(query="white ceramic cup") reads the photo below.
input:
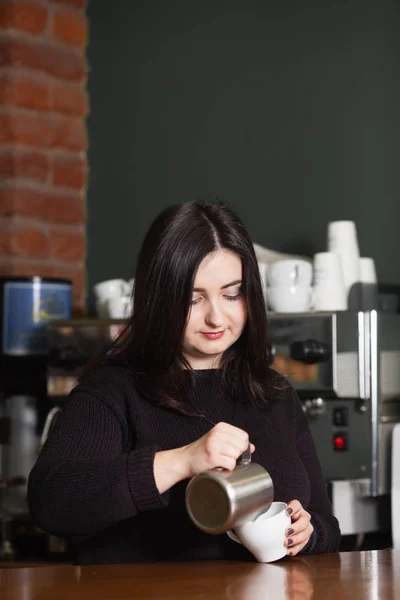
(265, 537)
(329, 287)
(111, 288)
(367, 270)
(289, 272)
(342, 239)
(119, 308)
(289, 299)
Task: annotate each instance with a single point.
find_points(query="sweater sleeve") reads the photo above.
(84, 480)
(326, 537)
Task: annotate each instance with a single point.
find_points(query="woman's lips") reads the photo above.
(213, 336)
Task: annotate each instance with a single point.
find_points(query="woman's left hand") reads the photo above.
(300, 531)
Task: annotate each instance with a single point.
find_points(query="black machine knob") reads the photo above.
(314, 407)
(309, 352)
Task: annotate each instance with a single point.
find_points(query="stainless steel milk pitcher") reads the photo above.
(219, 499)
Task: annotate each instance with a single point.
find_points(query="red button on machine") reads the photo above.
(340, 441)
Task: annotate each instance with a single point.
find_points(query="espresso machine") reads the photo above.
(27, 304)
(345, 367)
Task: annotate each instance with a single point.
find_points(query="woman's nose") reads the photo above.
(214, 316)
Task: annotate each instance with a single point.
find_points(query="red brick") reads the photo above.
(30, 242)
(19, 162)
(25, 268)
(74, 3)
(67, 132)
(71, 28)
(66, 209)
(53, 208)
(64, 64)
(23, 241)
(69, 171)
(69, 99)
(19, 91)
(25, 129)
(25, 16)
(5, 240)
(70, 247)
(43, 131)
(71, 134)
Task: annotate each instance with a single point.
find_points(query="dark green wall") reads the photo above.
(289, 109)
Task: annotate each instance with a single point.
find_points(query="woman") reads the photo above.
(184, 389)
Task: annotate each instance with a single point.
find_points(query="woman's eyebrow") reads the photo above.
(236, 282)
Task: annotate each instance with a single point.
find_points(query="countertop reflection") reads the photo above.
(372, 575)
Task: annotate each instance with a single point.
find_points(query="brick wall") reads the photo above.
(43, 104)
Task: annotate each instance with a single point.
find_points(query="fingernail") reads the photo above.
(289, 542)
(289, 511)
(290, 531)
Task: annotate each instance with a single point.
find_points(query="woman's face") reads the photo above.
(218, 312)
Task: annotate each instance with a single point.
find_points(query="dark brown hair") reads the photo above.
(151, 344)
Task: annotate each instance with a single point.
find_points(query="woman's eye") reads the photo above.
(235, 297)
(195, 300)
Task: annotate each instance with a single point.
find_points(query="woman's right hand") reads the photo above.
(220, 447)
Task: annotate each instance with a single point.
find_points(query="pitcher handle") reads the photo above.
(245, 458)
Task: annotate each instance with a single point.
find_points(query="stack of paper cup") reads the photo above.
(369, 295)
(342, 240)
(367, 270)
(329, 289)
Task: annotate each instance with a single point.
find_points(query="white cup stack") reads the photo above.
(367, 270)
(342, 279)
(289, 286)
(329, 288)
(369, 295)
(343, 241)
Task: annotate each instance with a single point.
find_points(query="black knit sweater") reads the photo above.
(94, 484)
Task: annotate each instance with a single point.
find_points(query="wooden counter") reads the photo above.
(373, 575)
